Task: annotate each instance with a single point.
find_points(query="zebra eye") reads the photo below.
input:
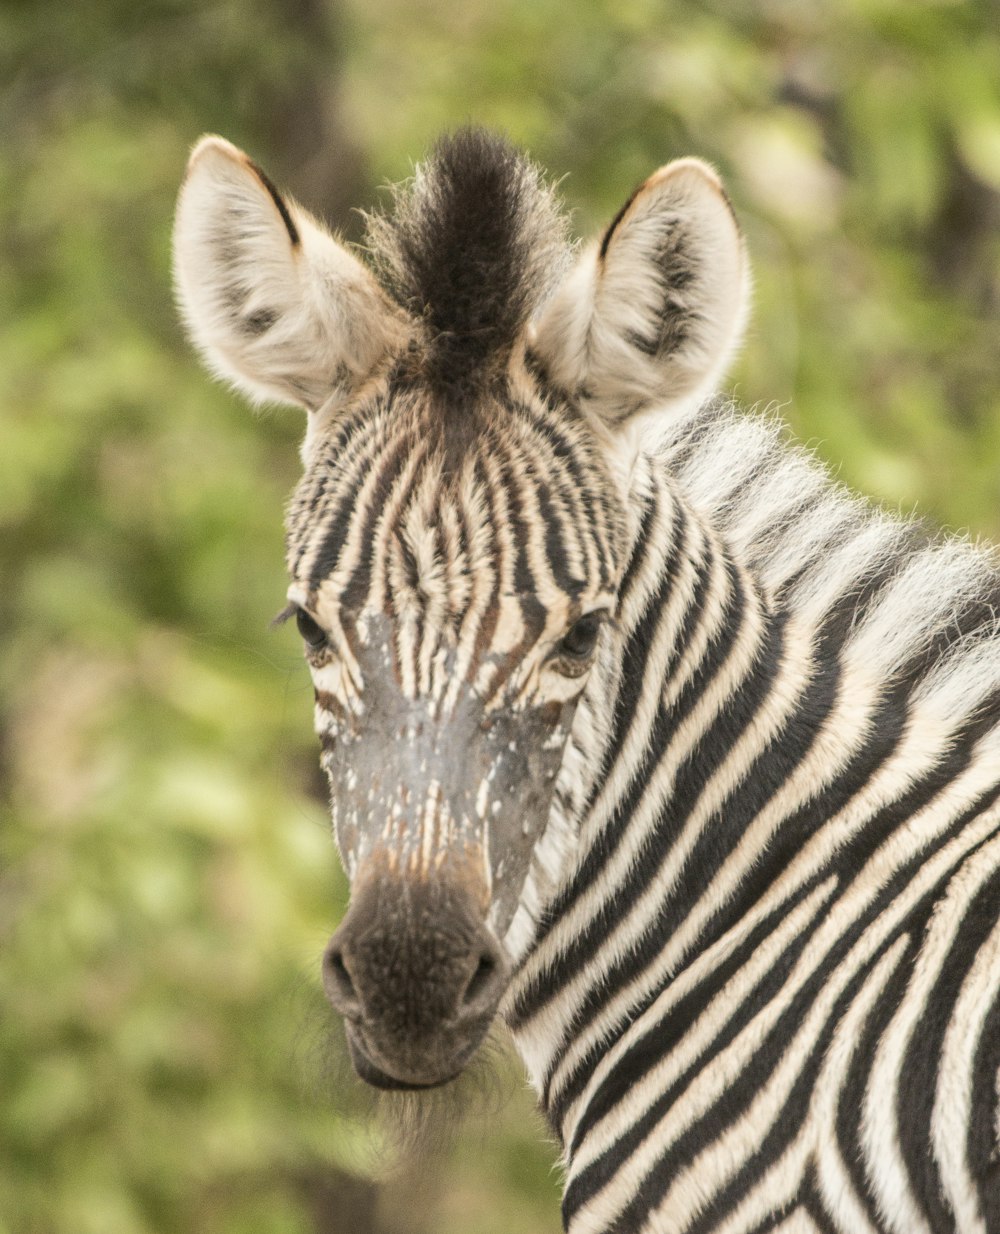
(578, 643)
(311, 631)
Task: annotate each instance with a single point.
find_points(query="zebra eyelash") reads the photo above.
(286, 614)
(313, 634)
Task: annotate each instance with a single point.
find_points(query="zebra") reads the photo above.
(645, 738)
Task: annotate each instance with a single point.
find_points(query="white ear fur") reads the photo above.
(652, 312)
(271, 300)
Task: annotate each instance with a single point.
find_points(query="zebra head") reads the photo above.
(460, 531)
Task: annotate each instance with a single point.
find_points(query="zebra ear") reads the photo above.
(274, 304)
(653, 311)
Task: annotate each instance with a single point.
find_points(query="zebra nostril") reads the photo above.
(338, 983)
(484, 986)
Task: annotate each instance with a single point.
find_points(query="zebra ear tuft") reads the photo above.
(653, 310)
(274, 304)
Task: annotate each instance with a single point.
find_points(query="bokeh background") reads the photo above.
(167, 880)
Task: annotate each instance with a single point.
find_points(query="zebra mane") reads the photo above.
(471, 247)
(916, 601)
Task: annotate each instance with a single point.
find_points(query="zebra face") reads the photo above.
(449, 648)
(458, 537)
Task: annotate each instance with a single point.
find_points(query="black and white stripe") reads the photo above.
(754, 934)
(766, 989)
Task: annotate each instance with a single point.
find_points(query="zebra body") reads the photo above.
(785, 997)
(641, 733)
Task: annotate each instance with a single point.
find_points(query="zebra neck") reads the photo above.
(705, 683)
(778, 794)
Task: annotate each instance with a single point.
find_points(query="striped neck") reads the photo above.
(704, 677)
(776, 792)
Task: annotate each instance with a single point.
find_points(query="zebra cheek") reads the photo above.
(345, 814)
(523, 782)
(367, 795)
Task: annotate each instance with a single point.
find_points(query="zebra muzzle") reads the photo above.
(417, 975)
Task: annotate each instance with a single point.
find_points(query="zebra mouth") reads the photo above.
(371, 1074)
(417, 975)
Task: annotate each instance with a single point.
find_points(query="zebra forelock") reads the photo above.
(471, 248)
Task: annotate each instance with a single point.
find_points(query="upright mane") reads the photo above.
(471, 247)
(825, 552)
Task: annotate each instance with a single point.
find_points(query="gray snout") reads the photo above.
(417, 976)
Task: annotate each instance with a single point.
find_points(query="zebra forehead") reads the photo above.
(396, 505)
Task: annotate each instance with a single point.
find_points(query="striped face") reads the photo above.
(456, 541)
(453, 584)
(452, 596)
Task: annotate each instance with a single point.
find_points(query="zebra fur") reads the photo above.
(749, 950)
(842, 834)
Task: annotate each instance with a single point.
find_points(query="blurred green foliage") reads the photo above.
(166, 877)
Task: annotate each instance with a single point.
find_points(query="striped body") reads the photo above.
(768, 996)
(641, 734)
